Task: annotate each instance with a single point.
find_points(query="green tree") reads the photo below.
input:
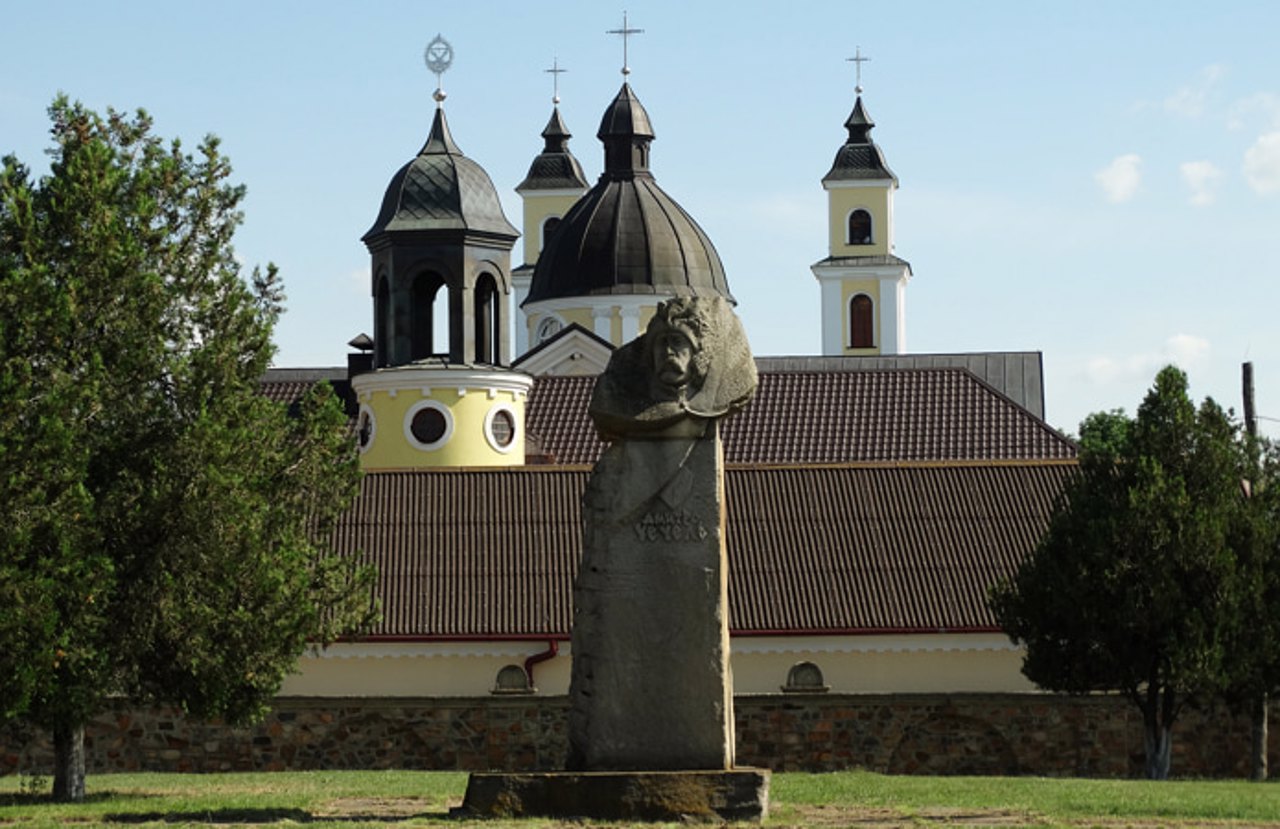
(1253, 657)
(1132, 588)
(162, 525)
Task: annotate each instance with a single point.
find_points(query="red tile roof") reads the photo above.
(850, 548)
(936, 414)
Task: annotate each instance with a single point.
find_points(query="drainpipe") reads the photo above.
(553, 648)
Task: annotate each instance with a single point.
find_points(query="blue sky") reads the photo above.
(1096, 181)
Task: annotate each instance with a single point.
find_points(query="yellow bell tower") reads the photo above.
(863, 283)
(554, 183)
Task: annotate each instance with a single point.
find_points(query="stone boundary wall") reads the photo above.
(897, 734)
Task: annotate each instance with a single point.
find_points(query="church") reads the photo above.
(873, 495)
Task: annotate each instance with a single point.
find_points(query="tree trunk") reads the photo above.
(1158, 742)
(1259, 729)
(1158, 713)
(68, 763)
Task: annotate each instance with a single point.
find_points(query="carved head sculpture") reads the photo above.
(693, 361)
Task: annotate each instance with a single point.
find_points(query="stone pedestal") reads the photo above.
(651, 687)
(717, 796)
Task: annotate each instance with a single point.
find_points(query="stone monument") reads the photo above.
(651, 730)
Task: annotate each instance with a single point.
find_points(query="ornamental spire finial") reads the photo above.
(438, 57)
(625, 31)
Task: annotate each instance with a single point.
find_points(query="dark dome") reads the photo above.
(441, 189)
(627, 236)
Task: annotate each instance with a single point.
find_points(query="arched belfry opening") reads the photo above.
(488, 319)
(424, 294)
(381, 319)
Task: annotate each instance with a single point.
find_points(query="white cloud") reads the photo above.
(1202, 177)
(1120, 179)
(1264, 105)
(1189, 101)
(1184, 350)
(1262, 164)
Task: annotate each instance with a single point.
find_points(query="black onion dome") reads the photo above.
(554, 168)
(626, 235)
(859, 157)
(441, 189)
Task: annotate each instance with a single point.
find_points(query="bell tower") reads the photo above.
(863, 283)
(440, 393)
(555, 181)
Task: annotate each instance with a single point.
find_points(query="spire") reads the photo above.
(554, 168)
(859, 124)
(440, 141)
(859, 157)
(626, 133)
(556, 135)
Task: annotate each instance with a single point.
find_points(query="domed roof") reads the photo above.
(441, 190)
(627, 236)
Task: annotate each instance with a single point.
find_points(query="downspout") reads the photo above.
(553, 648)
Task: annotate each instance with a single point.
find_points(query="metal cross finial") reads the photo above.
(556, 72)
(625, 32)
(857, 60)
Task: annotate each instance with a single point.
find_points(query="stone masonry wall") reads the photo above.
(897, 734)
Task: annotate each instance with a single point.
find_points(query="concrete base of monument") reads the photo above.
(736, 794)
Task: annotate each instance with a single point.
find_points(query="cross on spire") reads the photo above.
(625, 32)
(857, 60)
(555, 72)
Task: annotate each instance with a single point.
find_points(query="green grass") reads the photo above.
(867, 801)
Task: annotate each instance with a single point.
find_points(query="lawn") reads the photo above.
(825, 801)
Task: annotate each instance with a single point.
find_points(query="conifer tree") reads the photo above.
(162, 524)
(1133, 589)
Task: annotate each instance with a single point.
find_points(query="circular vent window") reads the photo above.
(428, 424)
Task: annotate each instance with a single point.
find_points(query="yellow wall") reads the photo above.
(435, 670)
(536, 209)
(848, 289)
(844, 200)
(467, 446)
(941, 663)
(886, 672)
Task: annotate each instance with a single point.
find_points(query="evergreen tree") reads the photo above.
(1253, 655)
(1133, 587)
(162, 524)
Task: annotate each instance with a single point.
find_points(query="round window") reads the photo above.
(504, 428)
(365, 428)
(548, 328)
(500, 428)
(428, 425)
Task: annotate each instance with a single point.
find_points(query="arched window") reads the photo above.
(860, 227)
(424, 293)
(486, 317)
(861, 322)
(548, 227)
